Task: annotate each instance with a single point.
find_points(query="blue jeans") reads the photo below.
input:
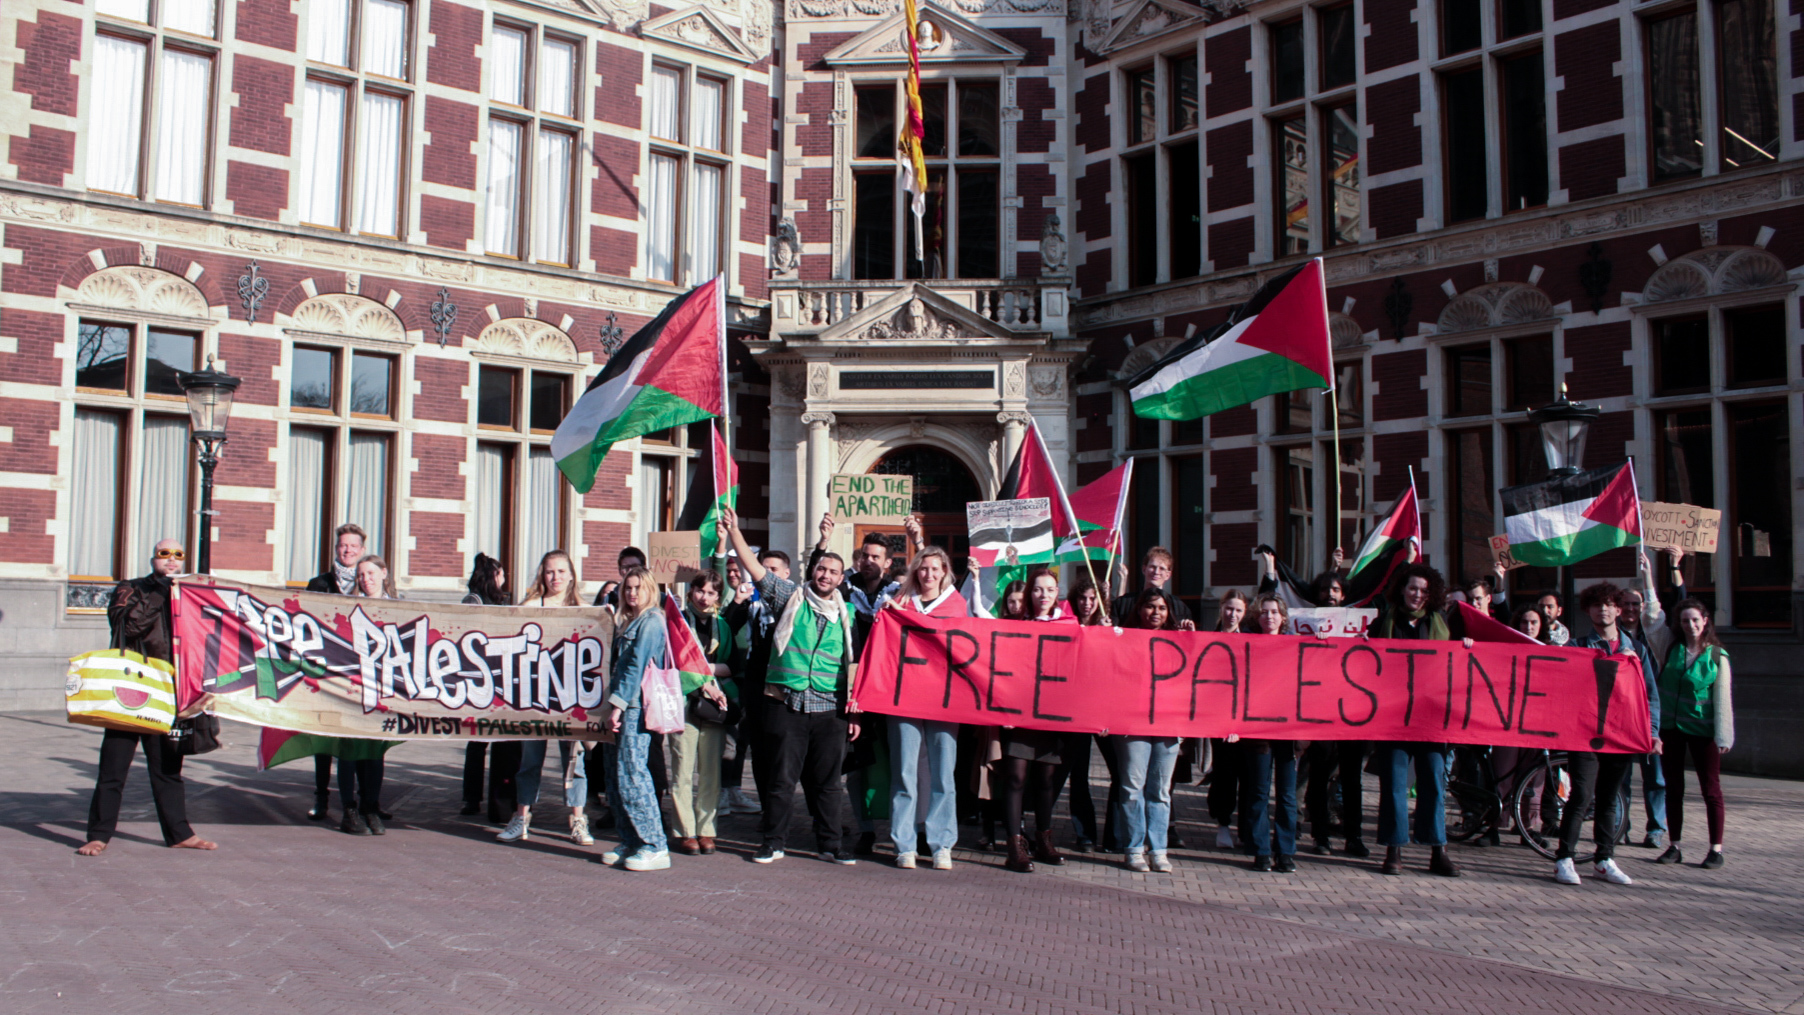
(532, 768)
(906, 737)
(1393, 793)
(1653, 793)
(1143, 768)
(630, 790)
(1269, 762)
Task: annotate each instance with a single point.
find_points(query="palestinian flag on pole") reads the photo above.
(668, 374)
(1386, 548)
(1276, 341)
(710, 489)
(1100, 509)
(1567, 519)
(685, 648)
(1032, 474)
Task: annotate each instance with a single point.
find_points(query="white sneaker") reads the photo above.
(906, 861)
(724, 805)
(1608, 870)
(1161, 863)
(942, 859)
(1566, 872)
(743, 804)
(1225, 839)
(649, 860)
(579, 830)
(517, 830)
(612, 857)
(1137, 863)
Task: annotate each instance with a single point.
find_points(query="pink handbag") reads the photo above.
(661, 692)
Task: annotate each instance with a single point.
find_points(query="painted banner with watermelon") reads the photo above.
(1566, 519)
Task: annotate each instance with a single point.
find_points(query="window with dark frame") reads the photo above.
(1462, 26)
(1754, 341)
(1758, 525)
(1681, 355)
(1290, 140)
(1296, 506)
(962, 124)
(496, 388)
(1529, 373)
(1748, 80)
(1189, 488)
(1473, 519)
(1675, 100)
(1524, 131)
(1685, 464)
(1516, 18)
(1338, 34)
(1469, 380)
(1468, 156)
(1143, 110)
(1183, 79)
(1143, 217)
(313, 379)
(1289, 77)
(1340, 178)
(1184, 163)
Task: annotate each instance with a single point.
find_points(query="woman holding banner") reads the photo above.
(1269, 764)
(640, 641)
(1144, 764)
(926, 590)
(487, 587)
(1224, 780)
(360, 761)
(1033, 756)
(1086, 607)
(556, 585)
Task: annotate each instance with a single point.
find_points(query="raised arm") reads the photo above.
(729, 527)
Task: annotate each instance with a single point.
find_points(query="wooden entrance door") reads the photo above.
(943, 486)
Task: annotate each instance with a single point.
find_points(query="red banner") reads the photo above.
(1274, 687)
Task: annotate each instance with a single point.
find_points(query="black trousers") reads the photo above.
(503, 764)
(1595, 777)
(116, 751)
(360, 784)
(1342, 763)
(809, 748)
(1224, 781)
(1075, 749)
(322, 779)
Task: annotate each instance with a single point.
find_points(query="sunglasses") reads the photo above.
(168, 554)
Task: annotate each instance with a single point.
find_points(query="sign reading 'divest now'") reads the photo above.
(1680, 526)
(876, 380)
(871, 499)
(675, 556)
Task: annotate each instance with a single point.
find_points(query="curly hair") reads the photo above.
(1527, 610)
(1437, 586)
(1602, 592)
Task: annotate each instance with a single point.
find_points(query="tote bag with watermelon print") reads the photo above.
(121, 690)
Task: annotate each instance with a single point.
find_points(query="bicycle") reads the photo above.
(1541, 789)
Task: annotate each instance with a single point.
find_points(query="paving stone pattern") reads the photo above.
(436, 916)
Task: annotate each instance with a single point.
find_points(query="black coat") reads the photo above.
(1122, 610)
(139, 616)
(327, 583)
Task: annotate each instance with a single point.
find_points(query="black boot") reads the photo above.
(1019, 859)
(1045, 852)
(1440, 863)
(1393, 861)
(353, 823)
(321, 809)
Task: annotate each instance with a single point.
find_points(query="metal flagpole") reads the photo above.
(1334, 411)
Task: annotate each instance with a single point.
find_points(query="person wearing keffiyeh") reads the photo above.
(348, 542)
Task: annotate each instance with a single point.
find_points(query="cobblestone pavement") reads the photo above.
(292, 916)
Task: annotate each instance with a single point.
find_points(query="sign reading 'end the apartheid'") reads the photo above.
(1278, 687)
(871, 499)
(347, 666)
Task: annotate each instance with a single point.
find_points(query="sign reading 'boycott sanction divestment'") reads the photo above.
(349, 666)
(1173, 683)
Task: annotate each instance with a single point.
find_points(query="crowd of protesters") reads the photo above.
(782, 648)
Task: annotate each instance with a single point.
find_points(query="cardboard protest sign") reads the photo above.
(1680, 527)
(674, 556)
(1279, 687)
(1010, 532)
(867, 499)
(1500, 552)
(347, 666)
(1331, 621)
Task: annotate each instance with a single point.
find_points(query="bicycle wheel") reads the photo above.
(1531, 807)
(1473, 807)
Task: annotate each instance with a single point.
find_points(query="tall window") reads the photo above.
(1162, 172)
(667, 462)
(1493, 107)
(343, 422)
(354, 115)
(520, 511)
(1303, 533)
(534, 133)
(962, 120)
(1739, 105)
(151, 100)
(1314, 124)
(132, 462)
(687, 186)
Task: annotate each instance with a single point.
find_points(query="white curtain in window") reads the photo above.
(116, 114)
(192, 16)
(502, 223)
(379, 163)
(366, 487)
(551, 197)
(162, 485)
(135, 10)
(666, 87)
(329, 31)
(557, 77)
(704, 219)
(541, 515)
(94, 494)
(184, 109)
(384, 35)
(322, 153)
(705, 113)
(654, 473)
(307, 500)
(507, 66)
(491, 501)
(661, 219)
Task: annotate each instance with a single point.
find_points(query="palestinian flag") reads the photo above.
(710, 489)
(1386, 548)
(1276, 341)
(685, 648)
(1100, 509)
(277, 747)
(1567, 519)
(671, 372)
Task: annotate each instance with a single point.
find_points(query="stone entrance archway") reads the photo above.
(943, 486)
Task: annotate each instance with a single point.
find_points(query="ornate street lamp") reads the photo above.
(209, 394)
(1564, 426)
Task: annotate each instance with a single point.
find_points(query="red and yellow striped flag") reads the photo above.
(909, 153)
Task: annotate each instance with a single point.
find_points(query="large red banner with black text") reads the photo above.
(1275, 687)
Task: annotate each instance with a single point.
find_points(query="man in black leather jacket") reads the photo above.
(139, 616)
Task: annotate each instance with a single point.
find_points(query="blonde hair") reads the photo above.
(388, 576)
(911, 587)
(1259, 607)
(536, 592)
(1228, 597)
(648, 590)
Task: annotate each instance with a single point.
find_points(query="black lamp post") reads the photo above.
(1564, 427)
(209, 394)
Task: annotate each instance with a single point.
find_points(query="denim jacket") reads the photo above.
(636, 646)
(1630, 643)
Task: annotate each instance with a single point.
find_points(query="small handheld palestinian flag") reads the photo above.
(710, 489)
(671, 372)
(1276, 341)
(1386, 548)
(1100, 509)
(1567, 519)
(686, 653)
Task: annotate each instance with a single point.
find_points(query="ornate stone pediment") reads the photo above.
(146, 290)
(944, 37)
(349, 317)
(1150, 19)
(700, 29)
(525, 338)
(916, 313)
(1493, 305)
(1712, 271)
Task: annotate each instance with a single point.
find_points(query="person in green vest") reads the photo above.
(807, 720)
(1697, 717)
